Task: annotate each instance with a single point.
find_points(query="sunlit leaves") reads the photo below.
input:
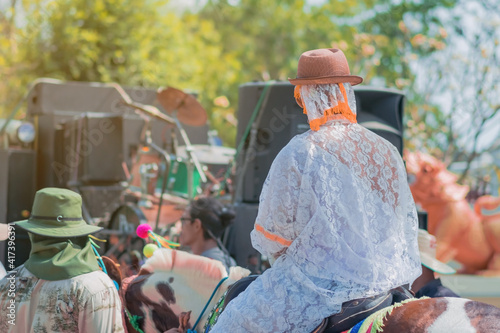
(215, 48)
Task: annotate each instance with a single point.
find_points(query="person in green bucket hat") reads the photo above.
(60, 288)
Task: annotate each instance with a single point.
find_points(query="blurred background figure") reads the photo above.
(203, 223)
(253, 264)
(427, 284)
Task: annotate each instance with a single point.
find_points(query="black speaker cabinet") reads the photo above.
(101, 201)
(280, 120)
(92, 149)
(379, 110)
(52, 103)
(17, 191)
(238, 242)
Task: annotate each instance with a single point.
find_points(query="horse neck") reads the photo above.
(192, 292)
(217, 295)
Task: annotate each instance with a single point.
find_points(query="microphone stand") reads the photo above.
(192, 158)
(166, 157)
(152, 111)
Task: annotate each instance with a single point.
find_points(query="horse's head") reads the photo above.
(172, 282)
(430, 181)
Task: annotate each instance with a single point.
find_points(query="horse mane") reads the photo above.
(236, 273)
(174, 260)
(173, 282)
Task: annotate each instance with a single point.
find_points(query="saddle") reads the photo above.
(352, 311)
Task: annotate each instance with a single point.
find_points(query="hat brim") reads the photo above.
(436, 265)
(352, 79)
(55, 231)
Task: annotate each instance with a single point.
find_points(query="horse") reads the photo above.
(441, 314)
(170, 284)
(462, 233)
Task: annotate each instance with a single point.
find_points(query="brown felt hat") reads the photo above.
(324, 66)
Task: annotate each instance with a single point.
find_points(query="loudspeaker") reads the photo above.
(17, 176)
(92, 150)
(237, 240)
(52, 103)
(101, 201)
(280, 119)
(381, 111)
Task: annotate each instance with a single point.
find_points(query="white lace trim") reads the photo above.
(320, 97)
(322, 101)
(339, 198)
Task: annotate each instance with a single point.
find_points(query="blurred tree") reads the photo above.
(213, 49)
(12, 64)
(132, 42)
(70, 40)
(456, 113)
(264, 38)
(378, 37)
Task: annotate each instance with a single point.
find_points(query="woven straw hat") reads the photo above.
(57, 213)
(427, 247)
(324, 66)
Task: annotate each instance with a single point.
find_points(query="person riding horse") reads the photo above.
(336, 213)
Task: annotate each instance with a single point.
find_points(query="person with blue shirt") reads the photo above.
(203, 223)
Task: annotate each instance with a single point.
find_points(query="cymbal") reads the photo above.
(189, 110)
(206, 154)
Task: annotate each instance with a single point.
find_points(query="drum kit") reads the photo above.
(163, 181)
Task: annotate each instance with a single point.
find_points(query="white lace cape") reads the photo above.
(337, 211)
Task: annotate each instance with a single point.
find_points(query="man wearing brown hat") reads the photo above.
(335, 213)
(60, 288)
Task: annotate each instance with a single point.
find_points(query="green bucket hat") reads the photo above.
(57, 213)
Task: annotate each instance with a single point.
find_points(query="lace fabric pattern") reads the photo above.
(325, 102)
(337, 213)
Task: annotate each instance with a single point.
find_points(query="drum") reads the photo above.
(215, 158)
(206, 154)
(178, 180)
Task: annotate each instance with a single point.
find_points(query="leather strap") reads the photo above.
(354, 311)
(321, 328)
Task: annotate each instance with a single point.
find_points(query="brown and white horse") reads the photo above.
(174, 286)
(172, 283)
(432, 315)
(435, 315)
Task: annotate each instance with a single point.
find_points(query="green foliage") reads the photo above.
(456, 107)
(100, 40)
(211, 50)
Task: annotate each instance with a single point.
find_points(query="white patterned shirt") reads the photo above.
(86, 303)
